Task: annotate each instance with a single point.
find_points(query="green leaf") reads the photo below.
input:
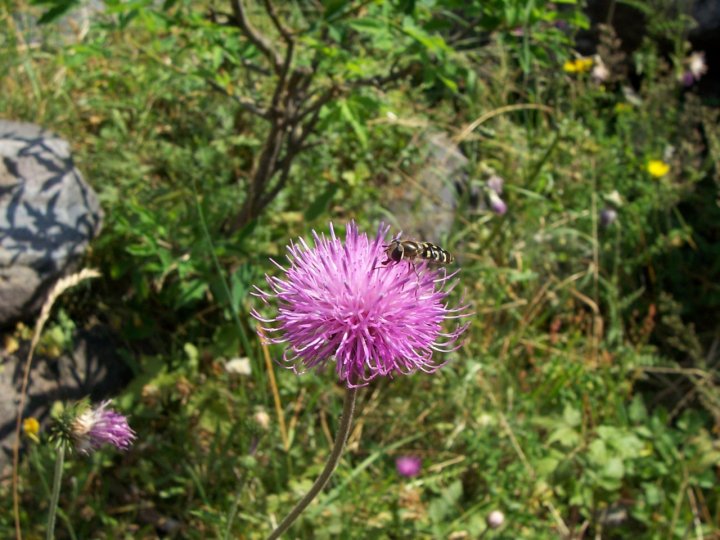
(572, 416)
(566, 436)
(597, 452)
(614, 469)
(349, 115)
(452, 85)
(58, 8)
(369, 26)
(320, 204)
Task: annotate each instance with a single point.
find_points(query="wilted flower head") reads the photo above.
(338, 303)
(94, 427)
(408, 465)
(495, 183)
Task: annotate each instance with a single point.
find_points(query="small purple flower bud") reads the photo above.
(687, 79)
(608, 216)
(497, 204)
(496, 183)
(95, 427)
(408, 465)
(495, 519)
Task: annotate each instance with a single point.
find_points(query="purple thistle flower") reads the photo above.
(338, 303)
(408, 465)
(95, 427)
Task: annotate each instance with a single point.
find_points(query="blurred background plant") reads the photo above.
(585, 400)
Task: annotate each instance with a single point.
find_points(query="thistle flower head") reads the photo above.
(338, 303)
(94, 427)
(408, 465)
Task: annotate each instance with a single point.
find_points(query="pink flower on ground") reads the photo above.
(497, 204)
(98, 426)
(338, 303)
(495, 188)
(408, 465)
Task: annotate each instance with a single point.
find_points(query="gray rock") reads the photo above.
(425, 207)
(48, 215)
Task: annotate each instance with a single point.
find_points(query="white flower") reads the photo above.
(495, 519)
(238, 366)
(697, 65)
(600, 72)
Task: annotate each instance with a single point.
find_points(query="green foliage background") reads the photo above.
(585, 400)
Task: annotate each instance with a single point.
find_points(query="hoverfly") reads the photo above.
(411, 251)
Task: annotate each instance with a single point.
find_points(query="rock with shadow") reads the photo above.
(48, 216)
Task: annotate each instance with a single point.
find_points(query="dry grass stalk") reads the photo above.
(60, 287)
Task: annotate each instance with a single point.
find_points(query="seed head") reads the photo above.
(94, 427)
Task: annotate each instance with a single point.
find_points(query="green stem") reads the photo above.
(55, 495)
(333, 460)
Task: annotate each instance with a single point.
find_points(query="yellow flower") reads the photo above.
(622, 108)
(584, 64)
(569, 66)
(578, 65)
(31, 427)
(657, 168)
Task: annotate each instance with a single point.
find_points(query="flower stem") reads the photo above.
(340, 440)
(55, 495)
